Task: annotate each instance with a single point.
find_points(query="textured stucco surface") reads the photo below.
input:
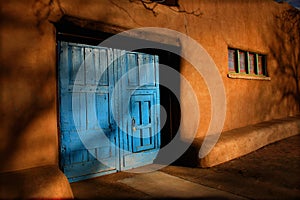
(238, 142)
(28, 111)
(35, 183)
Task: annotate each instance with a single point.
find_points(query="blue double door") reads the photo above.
(109, 116)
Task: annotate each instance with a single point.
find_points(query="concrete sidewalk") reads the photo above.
(162, 185)
(271, 172)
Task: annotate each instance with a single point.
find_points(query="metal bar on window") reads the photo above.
(248, 63)
(238, 60)
(256, 64)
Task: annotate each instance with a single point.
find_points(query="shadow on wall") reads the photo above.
(26, 95)
(28, 84)
(284, 49)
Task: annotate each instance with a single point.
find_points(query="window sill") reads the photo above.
(248, 76)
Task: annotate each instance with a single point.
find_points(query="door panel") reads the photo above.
(147, 73)
(142, 129)
(143, 71)
(88, 132)
(142, 139)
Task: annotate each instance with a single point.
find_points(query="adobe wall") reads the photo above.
(29, 133)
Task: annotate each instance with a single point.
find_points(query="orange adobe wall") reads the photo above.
(29, 106)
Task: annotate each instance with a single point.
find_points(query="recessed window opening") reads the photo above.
(246, 63)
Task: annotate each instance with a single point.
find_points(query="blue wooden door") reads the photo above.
(141, 142)
(92, 143)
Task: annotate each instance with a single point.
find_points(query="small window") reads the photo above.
(245, 64)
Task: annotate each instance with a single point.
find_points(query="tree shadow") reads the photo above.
(284, 49)
(27, 95)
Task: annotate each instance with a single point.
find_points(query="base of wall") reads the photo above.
(238, 142)
(35, 183)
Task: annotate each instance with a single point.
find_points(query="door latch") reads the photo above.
(133, 125)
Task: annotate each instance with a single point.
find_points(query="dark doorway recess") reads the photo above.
(74, 30)
(167, 98)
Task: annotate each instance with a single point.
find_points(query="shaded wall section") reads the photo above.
(28, 88)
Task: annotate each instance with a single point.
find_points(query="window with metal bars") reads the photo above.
(246, 63)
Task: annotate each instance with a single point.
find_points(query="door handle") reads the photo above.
(133, 124)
